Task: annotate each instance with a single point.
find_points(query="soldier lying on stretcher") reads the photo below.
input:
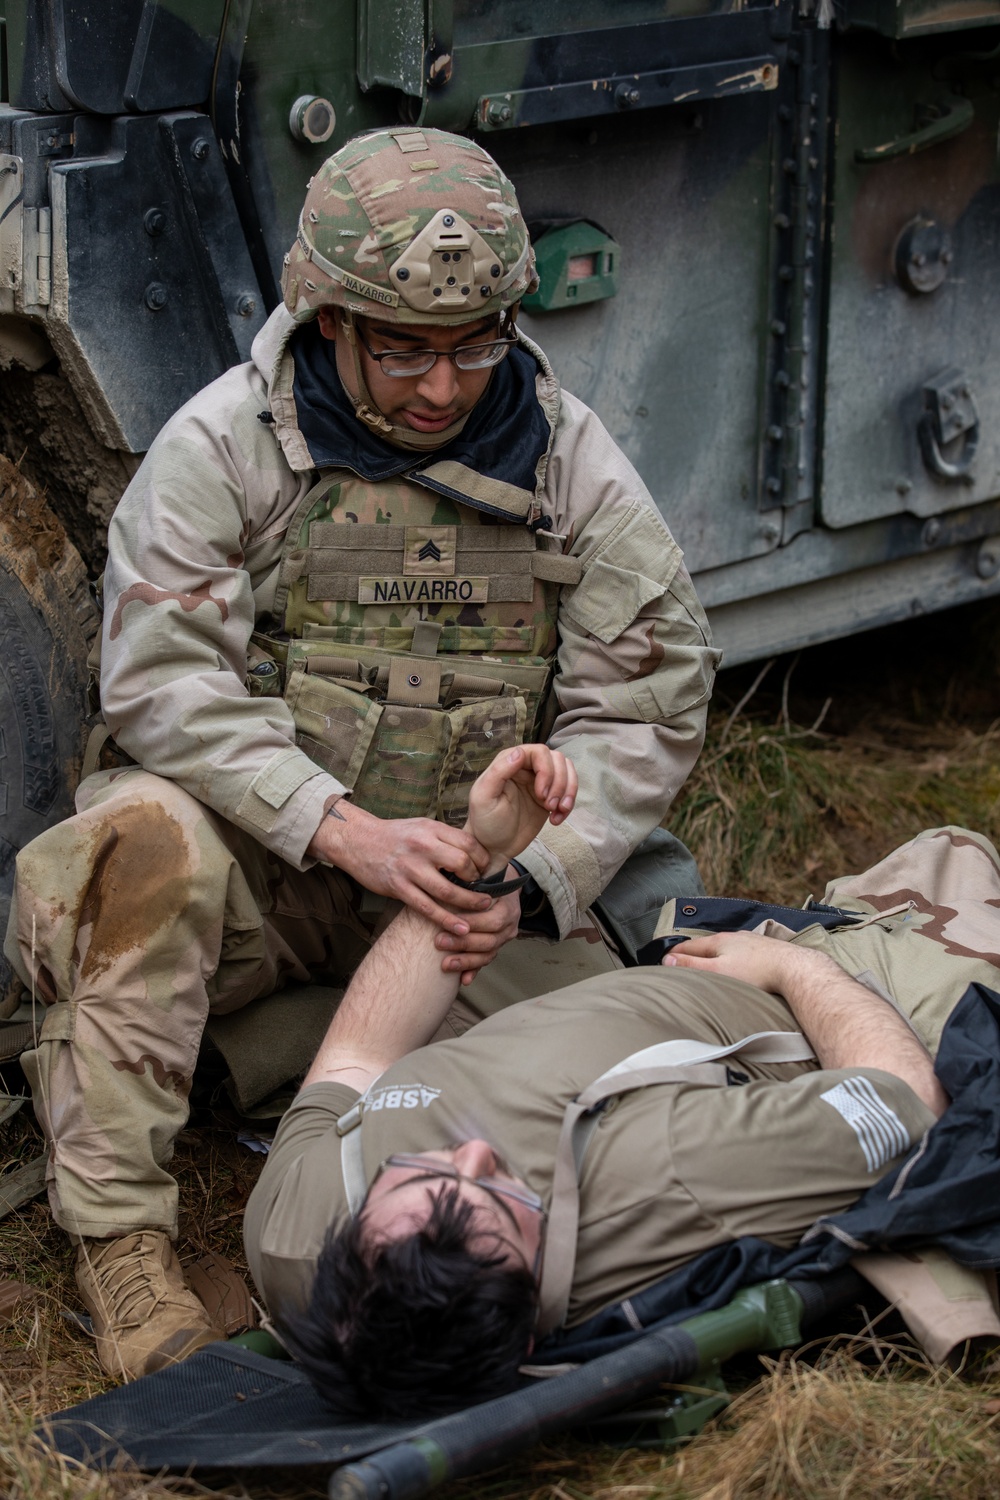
(428, 1212)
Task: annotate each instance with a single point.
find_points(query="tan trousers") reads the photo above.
(135, 920)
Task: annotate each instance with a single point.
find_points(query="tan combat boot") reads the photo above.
(144, 1316)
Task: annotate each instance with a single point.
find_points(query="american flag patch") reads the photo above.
(881, 1133)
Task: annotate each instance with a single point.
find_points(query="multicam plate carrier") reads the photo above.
(418, 640)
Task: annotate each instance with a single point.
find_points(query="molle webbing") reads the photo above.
(399, 682)
(365, 563)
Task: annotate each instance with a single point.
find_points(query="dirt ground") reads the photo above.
(818, 766)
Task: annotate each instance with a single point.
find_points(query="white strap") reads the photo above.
(761, 1046)
(681, 1061)
(352, 1165)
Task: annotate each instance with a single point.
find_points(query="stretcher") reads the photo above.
(232, 1408)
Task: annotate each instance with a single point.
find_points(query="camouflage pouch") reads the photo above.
(408, 734)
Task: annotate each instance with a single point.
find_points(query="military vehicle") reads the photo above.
(768, 242)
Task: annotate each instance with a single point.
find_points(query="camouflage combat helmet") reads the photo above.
(409, 226)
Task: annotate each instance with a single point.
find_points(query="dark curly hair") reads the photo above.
(418, 1328)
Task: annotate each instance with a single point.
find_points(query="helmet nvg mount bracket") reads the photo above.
(448, 266)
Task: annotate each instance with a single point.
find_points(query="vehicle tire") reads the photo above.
(47, 620)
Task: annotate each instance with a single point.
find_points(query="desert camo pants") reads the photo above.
(135, 920)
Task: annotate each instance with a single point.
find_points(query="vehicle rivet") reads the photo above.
(200, 149)
(931, 532)
(775, 433)
(246, 305)
(773, 486)
(156, 296)
(154, 221)
(903, 485)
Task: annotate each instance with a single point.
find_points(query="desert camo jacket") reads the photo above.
(195, 547)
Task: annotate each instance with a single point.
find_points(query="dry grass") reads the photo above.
(774, 811)
(792, 790)
(817, 766)
(840, 1428)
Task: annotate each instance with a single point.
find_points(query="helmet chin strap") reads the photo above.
(366, 411)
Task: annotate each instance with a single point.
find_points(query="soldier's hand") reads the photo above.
(488, 932)
(403, 858)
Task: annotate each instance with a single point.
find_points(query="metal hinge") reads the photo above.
(789, 407)
(37, 286)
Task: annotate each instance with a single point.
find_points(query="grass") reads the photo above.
(818, 766)
(774, 811)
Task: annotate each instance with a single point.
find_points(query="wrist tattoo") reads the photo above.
(332, 812)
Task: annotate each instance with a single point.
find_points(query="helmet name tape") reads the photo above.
(368, 289)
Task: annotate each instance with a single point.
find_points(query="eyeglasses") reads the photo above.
(498, 1188)
(419, 361)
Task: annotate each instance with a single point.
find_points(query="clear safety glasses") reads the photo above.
(400, 363)
(497, 1187)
